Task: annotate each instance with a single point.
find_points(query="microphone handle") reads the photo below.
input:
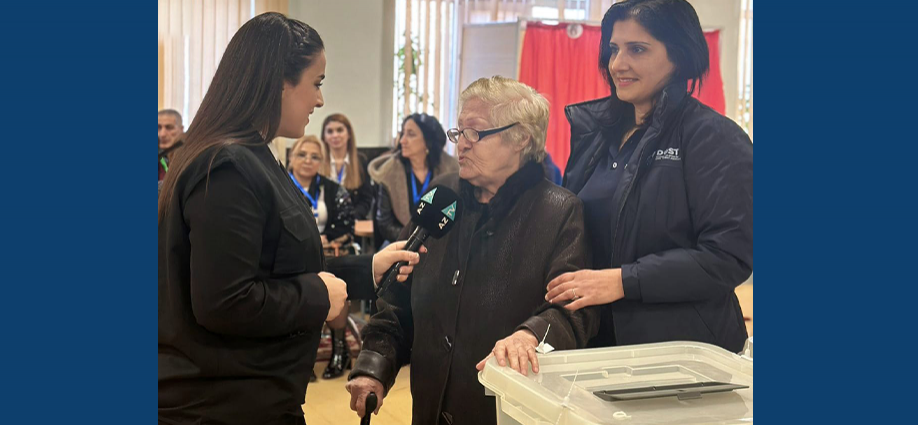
(415, 241)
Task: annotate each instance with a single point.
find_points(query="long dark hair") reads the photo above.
(434, 138)
(354, 179)
(243, 102)
(676, 25)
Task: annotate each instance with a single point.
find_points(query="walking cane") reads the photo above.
(370, 408)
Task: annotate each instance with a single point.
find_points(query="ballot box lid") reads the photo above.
(664, 383)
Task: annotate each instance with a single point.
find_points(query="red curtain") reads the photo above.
(564, 70)
(712, 91)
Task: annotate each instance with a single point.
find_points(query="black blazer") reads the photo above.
(241, 305)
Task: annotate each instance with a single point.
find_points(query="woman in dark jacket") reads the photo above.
(404, 175)
(486, 278)
(242, 292)
(345, 165)
(666, 184)
(239, 325)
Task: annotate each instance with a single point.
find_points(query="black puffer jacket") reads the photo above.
(478, 284)
(684, 233)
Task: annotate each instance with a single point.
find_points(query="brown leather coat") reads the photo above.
(478, 284)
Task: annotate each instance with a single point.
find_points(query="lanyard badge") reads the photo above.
(312, 201)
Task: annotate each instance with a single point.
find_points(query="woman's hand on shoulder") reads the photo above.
(585, 288)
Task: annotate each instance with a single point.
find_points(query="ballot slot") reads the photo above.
(682, 391)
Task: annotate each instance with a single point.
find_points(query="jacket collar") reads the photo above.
(590, 116)
(389, 166)
(346, 161)
(525, 178)
(669, 100)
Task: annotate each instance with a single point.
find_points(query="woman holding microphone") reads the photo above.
(243, 291)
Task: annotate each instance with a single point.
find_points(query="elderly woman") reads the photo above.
(486, 278)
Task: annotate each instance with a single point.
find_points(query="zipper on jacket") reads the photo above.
(618, 221)
(657, 123)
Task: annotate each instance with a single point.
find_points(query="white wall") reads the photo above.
(359, 37)
(725, 16)
(488, 50)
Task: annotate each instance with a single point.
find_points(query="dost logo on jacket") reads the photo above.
(671, 154)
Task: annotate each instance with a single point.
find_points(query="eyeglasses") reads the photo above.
(473, 135)
(303, 157)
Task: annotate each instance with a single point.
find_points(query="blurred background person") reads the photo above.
(171, 132)
(405, 174)
(344, 165)
(331, 205)
(552, 172)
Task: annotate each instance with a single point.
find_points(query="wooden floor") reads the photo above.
(328, 403)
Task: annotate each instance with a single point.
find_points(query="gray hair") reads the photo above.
(174, 113)
(511, 101)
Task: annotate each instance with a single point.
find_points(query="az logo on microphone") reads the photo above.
(450, 211)
(429, 196)
(449, 214)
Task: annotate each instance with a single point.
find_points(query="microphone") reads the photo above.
(435, 215)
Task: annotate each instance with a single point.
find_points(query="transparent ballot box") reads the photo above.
(665, 383)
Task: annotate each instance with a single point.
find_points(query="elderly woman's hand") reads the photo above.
(586, 287)
(359, 388)
(519, 349)
(392, 254)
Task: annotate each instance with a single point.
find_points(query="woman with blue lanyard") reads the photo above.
(331, 207)
(331, 203)
(405, 175)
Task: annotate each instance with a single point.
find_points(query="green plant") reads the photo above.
(403, 73)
